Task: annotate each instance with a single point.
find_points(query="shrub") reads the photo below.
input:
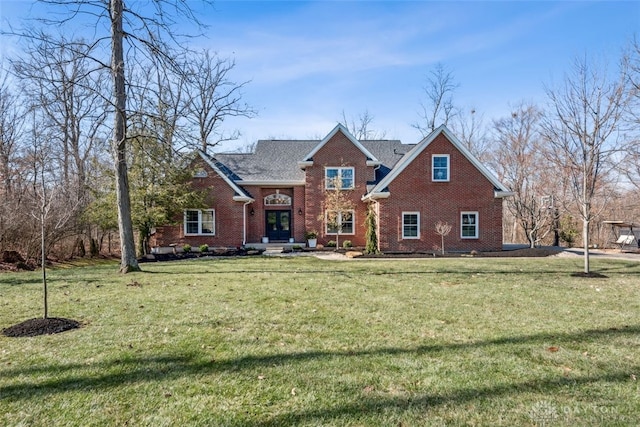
(204, 248)
(347, 244)
(331, 244)
(371, 236)
(186, 247)
(568, 230)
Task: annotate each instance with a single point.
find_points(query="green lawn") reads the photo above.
(300, 341)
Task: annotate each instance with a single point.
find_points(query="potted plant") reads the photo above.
(312, 238)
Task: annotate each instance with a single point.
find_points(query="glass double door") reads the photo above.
(278, 225)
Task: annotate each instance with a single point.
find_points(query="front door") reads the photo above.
(278, 225)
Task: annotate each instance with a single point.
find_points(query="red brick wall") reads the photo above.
(228, 221)
(411, 191)
(256, 222)
(467, 190)
(339, 151)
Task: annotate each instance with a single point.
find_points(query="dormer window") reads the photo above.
(339, 178)
(440, 168)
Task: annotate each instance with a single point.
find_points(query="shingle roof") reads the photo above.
(277, 160)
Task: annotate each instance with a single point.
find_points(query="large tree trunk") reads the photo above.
(128, 260)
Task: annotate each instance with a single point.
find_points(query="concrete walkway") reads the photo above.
(276, 250)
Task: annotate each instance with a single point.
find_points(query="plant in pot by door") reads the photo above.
(312, 238)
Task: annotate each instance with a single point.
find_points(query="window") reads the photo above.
(340, 221)
(440, 167)
(410, 225)
(277, 200)
(199, 221)
(469, 225)
(339, 178)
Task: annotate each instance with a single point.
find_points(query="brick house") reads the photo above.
(277, 193)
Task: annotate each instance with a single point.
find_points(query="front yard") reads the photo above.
(260, 341)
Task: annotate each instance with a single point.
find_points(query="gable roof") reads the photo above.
(277, 162)
(228, 176)
(371, 159)
(380, 189)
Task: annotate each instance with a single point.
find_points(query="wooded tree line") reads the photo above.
(93, 132)
(571, 162)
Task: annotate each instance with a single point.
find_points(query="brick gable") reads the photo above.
(339, 151)
(414, 191)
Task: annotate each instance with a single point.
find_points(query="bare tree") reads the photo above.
(582, 128)
(12, 125)
(147, 30)
(443, 229)
(360, 128)
(214, 97)
(519, 161)
(438, 107)
(337, 207)
(56, 77)
(11, 128)
(631, 162)
(470, 130)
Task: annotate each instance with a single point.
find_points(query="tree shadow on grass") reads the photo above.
(382, 404)
(623, 268)
(131, 369)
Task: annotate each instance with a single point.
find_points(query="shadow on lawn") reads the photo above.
(130, 369)
(619, 267)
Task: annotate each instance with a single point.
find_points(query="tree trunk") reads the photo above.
(585, 244)
(45, 291)
(128, 260)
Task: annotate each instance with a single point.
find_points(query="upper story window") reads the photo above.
(198, 222)
(277, 200)
(339, 178)
(440, 167)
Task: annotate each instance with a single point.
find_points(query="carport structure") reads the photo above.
(625, 234)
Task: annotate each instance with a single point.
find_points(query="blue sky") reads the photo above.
(310, 61)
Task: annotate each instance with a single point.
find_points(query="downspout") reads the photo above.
(244, 222)
(378, 224)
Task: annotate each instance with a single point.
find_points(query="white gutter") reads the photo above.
(376, 196)
(272, 184)
(244, 222)
(503, 194)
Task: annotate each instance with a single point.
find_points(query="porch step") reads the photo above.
(276, 247)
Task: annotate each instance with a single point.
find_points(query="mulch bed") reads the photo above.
(524, 252)
(589, 275)
(40, 326)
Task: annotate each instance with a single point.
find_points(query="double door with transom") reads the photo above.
(278, 225)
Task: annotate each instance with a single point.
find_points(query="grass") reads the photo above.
(301, 341)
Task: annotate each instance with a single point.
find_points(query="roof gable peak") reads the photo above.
(340, 128)
(410, 156)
